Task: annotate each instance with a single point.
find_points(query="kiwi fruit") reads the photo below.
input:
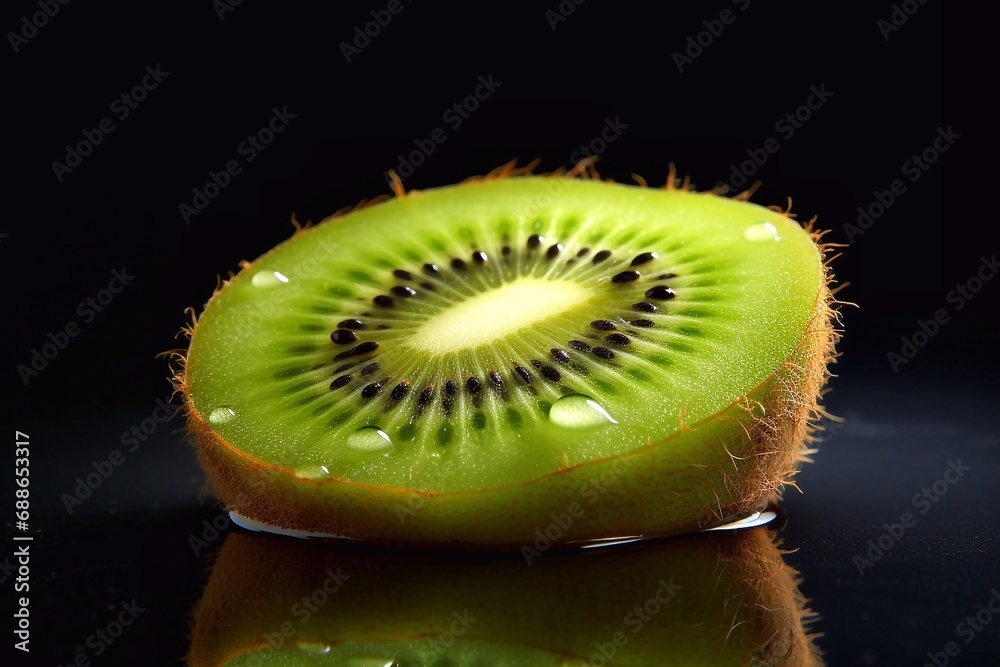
(715, 599)
(517, 359)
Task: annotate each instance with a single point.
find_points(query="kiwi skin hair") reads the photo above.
(725, 598)
(704, 472)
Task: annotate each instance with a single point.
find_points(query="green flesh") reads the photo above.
(261, 362)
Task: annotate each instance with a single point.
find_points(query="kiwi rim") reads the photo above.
(789, 427)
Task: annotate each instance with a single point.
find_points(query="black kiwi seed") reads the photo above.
(666, 276)
(549, 373)
(645, 324)
(554, 250)
(505, 250)
(601, 256)
(603, 325)
(450, 387)
(342, 381)
(579, 345)
(403, 291)
(473, 385)
(644, 307)
(372, 390)
(479, 257)
(661, 292)
(432, 270)
(523, 373)
(603, 353)
(399, 391)
(370, 368)
(383, 327)
(497, 382)
(427, 286)
(644, 258)
(626, 277)
(424, 398)
(534, 241)
(343, 336)
(365, 348)
(559, 355)
(352, 324)
(458, 264)
(404, 275)
(583, 252)
(619, 339)
(384, 301)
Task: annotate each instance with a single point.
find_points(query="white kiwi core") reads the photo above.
(496, 314)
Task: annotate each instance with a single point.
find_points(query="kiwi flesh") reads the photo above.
(466, 365)
(704, 600)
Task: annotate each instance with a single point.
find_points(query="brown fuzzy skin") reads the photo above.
(768, 433)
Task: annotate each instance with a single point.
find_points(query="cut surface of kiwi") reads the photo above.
(454, 365)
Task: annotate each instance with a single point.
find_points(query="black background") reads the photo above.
(119, 209)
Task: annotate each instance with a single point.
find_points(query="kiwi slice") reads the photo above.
(465, 365)
(705, 600)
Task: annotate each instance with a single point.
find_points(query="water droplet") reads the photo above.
(763, 231)
(221, 415)
(369, 439)
(268, 279)
(579, 411)
(312, 472)
(315, 648)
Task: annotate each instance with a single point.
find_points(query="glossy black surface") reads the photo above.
(880, 97)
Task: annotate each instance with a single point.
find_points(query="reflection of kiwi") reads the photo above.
(456, 365)
(717, 599)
